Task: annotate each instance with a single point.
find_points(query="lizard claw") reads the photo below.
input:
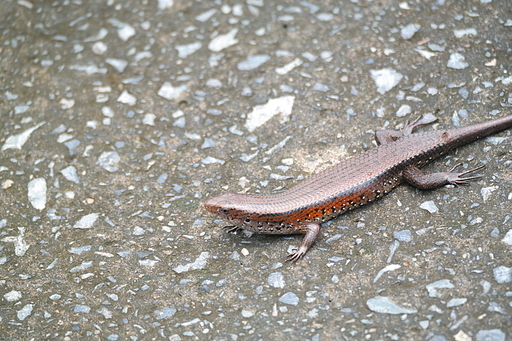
(295, 256)
(232, 228)
(458, 179)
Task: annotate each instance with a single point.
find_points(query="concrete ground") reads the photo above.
(120, 118)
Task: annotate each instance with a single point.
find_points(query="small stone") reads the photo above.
(170, 92)
(70, 174)
(502, 274)
(383, 305)
(165, 4)
(87, 221)
(17, 141)
(118, 64)
(276, 280)
(252, 62)
(457, 61)
(83, 266)
(385, 79)
(109, 161)
(198, 264)
(289, 298)
(462, 33)
(25, 312)
(7, 184)
(490, 335)
(149, 119)
(429, 206)
(261, 114)
(37, 193)
(408, 31)
(223, 41)
(186, 50)
(127, 98)
(403, 236)
(166, 312)
(404, 110)
(441, 284)
(81, 308)
(12, 296)
(508, 238)
(247, 313)
(455, 302)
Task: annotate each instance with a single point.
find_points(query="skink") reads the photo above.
(352, 183)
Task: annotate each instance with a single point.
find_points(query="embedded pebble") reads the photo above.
(508, 238)
(409, 31)
(164, 313)
(205, 16)
(208, 143)
(455, 302)
(390, 267)
(487, 191)
(276, 280)
(403, 236)
(165, 4)
(124, 31)
(37, 193)
(186, 50)
(457, 61)
(78, 250)
(25, 312)
(12, 296)
(289, 67)
(490, 335)
(210, 160)
(383, 305)
(70, 174)
(247, 313)
(320, 87)
(223, 41)
(99, 48)
(127, 98)
(502, 274)
(149, 119)
(198, 264)
(118, 64)
(429, 206)
(289, 298)
(170, 92)
(462, 33)
(87, 221)
(20, 245)
(252, 62)
(404, 110)
(385, 79)
(83, 266)
(109, 161)
(81, 308)
(261, 114)
(441, 284)
(17, 141)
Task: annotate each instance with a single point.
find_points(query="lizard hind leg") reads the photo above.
(388, 135)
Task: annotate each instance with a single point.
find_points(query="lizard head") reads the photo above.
(223, 206)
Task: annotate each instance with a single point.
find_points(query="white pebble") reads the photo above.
(408, 31)
(223, 41)
(457, 61)
(385, 79)
(37, 193)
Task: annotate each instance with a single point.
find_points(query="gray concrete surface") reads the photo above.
(119, 118)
